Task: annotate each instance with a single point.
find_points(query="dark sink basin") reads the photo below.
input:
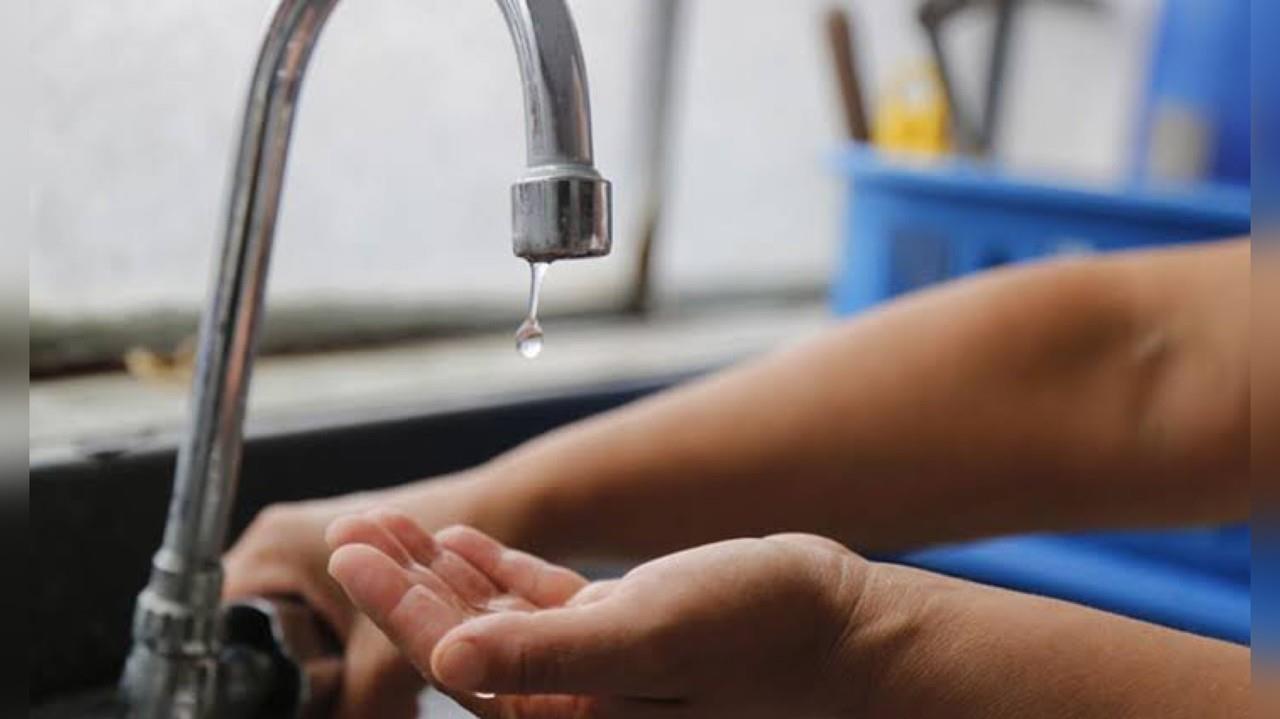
(93, 704)
(100, 518)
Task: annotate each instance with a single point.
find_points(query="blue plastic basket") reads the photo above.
(908, 226)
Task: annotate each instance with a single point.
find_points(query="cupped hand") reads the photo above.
(747, 628)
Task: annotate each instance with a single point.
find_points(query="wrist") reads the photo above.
(882, 627)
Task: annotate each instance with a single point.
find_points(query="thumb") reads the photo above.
(594, 649)
(378, 682)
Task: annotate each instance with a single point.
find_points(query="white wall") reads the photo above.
(410, 133)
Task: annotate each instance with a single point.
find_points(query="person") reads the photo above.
(1073, 394)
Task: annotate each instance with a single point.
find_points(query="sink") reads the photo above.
(93, 704)
(102, 516)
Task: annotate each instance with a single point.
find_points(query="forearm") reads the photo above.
(942, 647)
(1061, 396)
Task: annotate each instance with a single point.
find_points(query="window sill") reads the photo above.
(109, 413)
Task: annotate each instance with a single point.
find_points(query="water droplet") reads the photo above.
(529, 336)
(529, 339)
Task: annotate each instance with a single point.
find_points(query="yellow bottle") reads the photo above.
(912, 115)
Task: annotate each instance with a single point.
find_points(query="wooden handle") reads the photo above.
(840, 38)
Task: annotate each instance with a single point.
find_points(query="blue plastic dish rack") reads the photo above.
(909, 225)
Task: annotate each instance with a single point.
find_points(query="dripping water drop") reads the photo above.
(529, 337)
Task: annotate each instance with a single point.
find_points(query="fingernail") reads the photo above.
(333, 528)
(461, 666)
(335, 562)
(347, 576)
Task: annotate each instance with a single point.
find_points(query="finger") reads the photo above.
(400, 538)
(378, 682)
(373, 581)
(596, 649)
(541, 582)
(812, 541)
(420, 545)
(362, 529)
(594, 592)
(470, 584)
(320, 593)
(412, 615)
(510, 603)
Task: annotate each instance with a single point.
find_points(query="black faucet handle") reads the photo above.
(279, 660)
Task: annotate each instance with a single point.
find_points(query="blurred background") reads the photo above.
(776, 165)
(412, 128)
(721, 123)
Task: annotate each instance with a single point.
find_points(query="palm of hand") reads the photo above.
(740, 627)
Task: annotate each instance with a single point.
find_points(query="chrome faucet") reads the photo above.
(190, 657)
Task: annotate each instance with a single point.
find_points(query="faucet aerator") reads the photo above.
(565, 215)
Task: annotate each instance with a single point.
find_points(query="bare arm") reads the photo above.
(1080, 394)
(1074, 394)
(921, 645)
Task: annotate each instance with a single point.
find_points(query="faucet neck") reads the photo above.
(554, 79)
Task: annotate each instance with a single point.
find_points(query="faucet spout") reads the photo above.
(561, 209)
(557, 106)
